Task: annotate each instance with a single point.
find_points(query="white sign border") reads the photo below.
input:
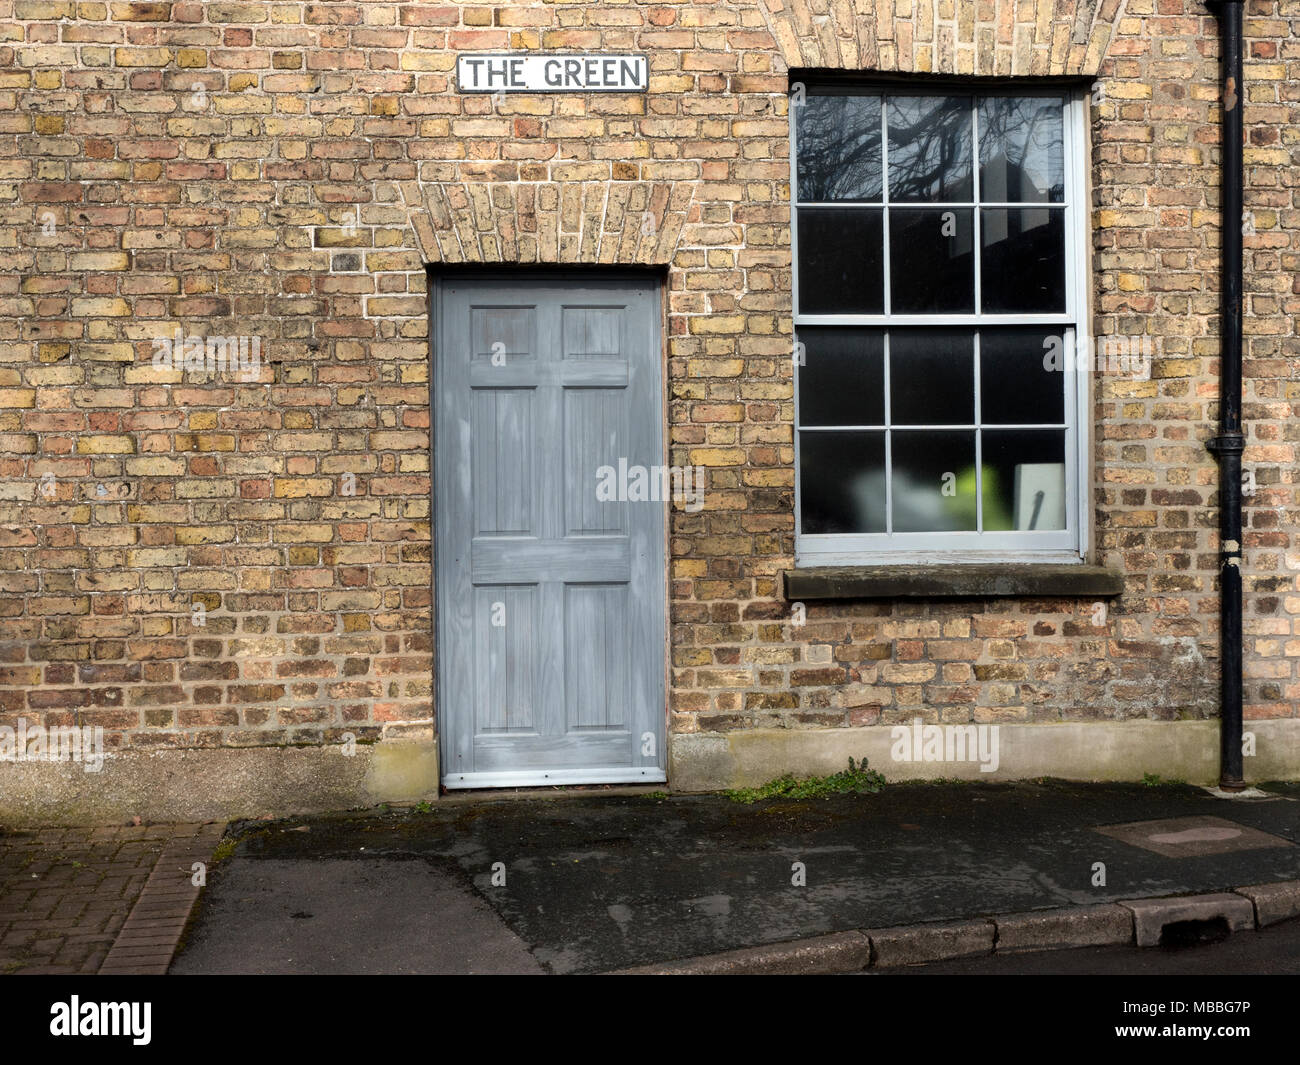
(538, 61)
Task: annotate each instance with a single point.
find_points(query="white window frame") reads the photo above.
(1070, 545)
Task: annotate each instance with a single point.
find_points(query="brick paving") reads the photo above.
(149, 936)
(66, 893)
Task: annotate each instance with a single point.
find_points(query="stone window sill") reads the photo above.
(949, 581)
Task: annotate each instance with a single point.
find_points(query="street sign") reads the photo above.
(552, 73)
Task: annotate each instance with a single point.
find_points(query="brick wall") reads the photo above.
(284, 171)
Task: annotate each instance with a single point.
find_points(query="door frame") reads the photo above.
(440, 274)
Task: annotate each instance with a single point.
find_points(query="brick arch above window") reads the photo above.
(579, 222)
(1020, 38)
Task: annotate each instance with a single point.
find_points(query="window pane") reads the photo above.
(839, 147)
(931, 377)
(929, 148)
(934, 481)
(1016, 384)
(840, 255)
(931, 268)
(842, 482)
(1024, 479)
(842, 378)
(1021, 155)
(1022, 261)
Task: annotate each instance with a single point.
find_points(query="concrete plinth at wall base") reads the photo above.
(1105, 750)
(218, 784)
(230, 783)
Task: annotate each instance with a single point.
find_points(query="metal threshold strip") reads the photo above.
(554, 777)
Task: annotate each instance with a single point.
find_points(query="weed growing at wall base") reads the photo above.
(857, 779)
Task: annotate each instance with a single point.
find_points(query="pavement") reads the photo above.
(350, 915)
(599, 880)
(71, 897)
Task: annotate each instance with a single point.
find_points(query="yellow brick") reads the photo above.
(142, 57)
(105, 445)
(718, 324)
(99, 260)
(1264, 72)
(142, 12)
(301, 487)
(205, 534)
(17, 398)
(1175, 368)
(717, 457)
(100, 307)
(1119, 89)
(155, 466)
(44, 9)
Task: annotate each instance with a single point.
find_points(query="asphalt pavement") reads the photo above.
(595, 880)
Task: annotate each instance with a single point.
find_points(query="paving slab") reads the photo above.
(1189, 837)
(343, 916)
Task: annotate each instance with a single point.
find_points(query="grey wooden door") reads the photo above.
(550, 595)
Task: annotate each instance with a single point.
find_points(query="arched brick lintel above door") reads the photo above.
(629, 223)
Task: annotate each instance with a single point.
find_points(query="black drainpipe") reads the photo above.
(1228, 445)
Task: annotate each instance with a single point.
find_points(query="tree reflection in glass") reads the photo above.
(839, 148)
(929, 148)
(1021, 151)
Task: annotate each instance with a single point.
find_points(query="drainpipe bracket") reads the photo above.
(1227, 444)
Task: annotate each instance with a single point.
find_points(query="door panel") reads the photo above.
(597, 650)
(502, 431)
(550, 600)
